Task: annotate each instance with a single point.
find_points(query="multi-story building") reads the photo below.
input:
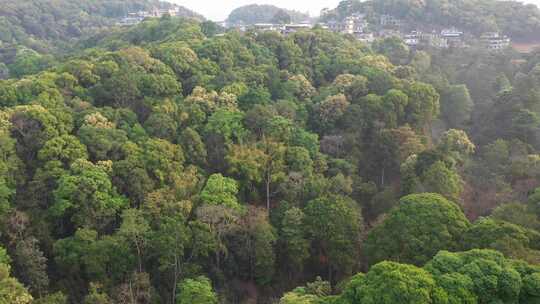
(390, 21)
(412, 39)
(434, 39)
(495, 41)
(453, 37)
(355, 24)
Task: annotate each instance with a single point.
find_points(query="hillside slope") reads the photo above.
(521, 21)
(251, 14)
(46, 25)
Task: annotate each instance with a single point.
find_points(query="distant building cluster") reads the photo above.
(454, 38)
(136, 17)
(390, 26)
(357, 25)
(451, 37)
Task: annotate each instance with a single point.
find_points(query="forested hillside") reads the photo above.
(254, 13)
(34, 32)
(513, 18)
(162, 163)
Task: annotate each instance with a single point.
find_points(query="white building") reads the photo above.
(453, 37)
(354, 24)
(390, 21)
(412, 38)
(434, 39)
(495, 41)
(267, 27)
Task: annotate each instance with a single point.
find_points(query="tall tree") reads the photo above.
(415, 230)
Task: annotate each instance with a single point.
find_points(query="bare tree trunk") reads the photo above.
(382, 176)
(175, 279)
(268, 194)
(139, 258)
(131, 292)
(330, 273)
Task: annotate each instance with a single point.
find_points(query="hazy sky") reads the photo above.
(218, 10)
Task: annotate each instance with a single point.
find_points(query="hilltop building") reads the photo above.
(445, 39)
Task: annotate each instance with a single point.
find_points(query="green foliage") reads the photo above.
(254, 239)
(32, 264)
(393, 48)
(476, 276)
(55, 298)
(516, 213)
(423, 104)
(390, 282)
(140, 161)
(493, 277)
(456, 106)
(51, 26)
(227, 124)
(251, 14)
(415, 230)
(335, 224)
(196, 291)
(512, 240)
(87, 197)
(294, 238)
(66, 149)
(11, 291)
(439, 179)
(96, 296)
(221, 190)
(315, 292)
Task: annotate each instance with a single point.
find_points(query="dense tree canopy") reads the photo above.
(415, 230)
(163, 163)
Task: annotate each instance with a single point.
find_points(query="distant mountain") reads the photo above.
(535, 2)
(254, 13)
